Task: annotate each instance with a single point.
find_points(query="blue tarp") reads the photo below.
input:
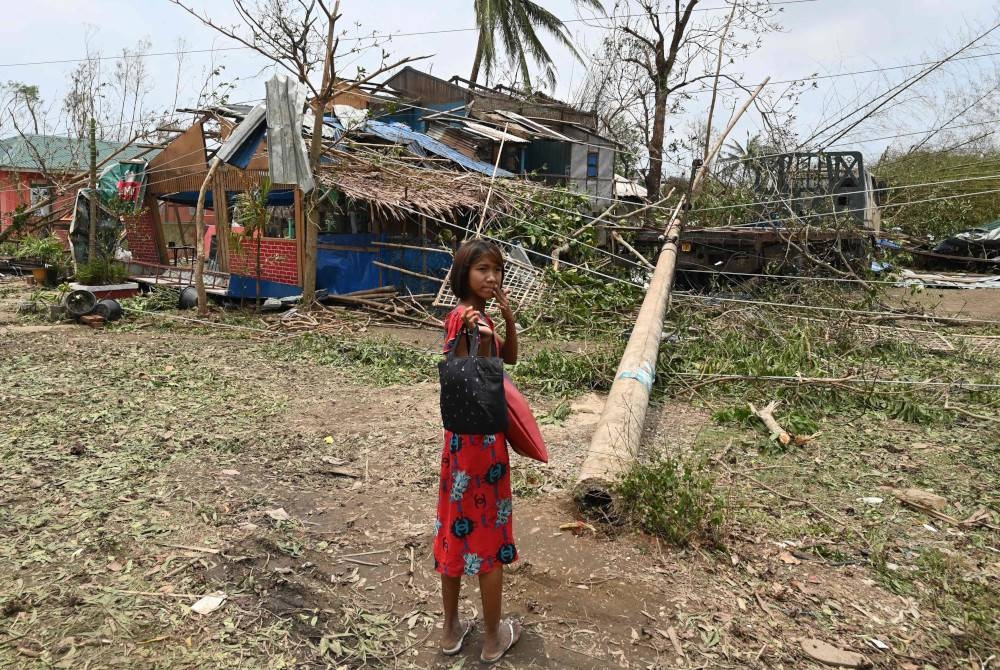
(351, 269)
(420, 144)
(241, 286)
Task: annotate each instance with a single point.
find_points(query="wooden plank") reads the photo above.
(396, 268)
(413, 247)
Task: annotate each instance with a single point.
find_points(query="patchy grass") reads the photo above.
(382, 360)
(89, 440)
(714, 351)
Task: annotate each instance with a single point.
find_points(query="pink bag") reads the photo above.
(522, 433)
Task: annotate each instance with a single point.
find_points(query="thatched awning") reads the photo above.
(398, 190)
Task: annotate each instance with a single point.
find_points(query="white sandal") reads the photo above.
(513, 641)
(469, 625)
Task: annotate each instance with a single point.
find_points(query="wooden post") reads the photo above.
(92, 235)
(222, 225)
(615, 443)
(199, 243)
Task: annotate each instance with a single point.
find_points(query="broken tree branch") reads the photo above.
(766, 414)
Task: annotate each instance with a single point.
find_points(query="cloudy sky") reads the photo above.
(820, 36)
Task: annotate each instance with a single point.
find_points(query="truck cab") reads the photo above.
(823, 202)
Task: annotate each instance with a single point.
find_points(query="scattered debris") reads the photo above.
(787, 558)
(209, 603)
(278, 514)
(921, 499)
(95, 321)
(829, 655)
(577, 527)
(766, 414)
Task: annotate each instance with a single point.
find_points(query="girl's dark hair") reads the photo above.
(467, 254)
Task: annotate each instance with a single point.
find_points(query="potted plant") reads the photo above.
(45, 257)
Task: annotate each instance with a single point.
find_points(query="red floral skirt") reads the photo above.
(474, 531)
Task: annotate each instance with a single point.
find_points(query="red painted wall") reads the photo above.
(141, 234)
(18, 191)
(278, 260)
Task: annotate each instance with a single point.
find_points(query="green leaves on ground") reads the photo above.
(673, 499)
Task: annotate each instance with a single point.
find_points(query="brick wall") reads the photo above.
(141, 233)
(278, 260)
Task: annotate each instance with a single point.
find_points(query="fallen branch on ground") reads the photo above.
(766, 414)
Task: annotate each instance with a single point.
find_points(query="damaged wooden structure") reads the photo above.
(377, 219)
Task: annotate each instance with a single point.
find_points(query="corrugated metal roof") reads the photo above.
(625, 188)
(492, 133)
(533, 125)
(59, 154)
(399, 133)
(242, 143)
(462, 140)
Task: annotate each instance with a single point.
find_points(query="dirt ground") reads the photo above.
(146, 468)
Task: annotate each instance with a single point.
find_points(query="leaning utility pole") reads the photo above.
(92, 233)
(615, 443)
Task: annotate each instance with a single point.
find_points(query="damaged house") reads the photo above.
(536, 136)
(377, 213)
(407, 165)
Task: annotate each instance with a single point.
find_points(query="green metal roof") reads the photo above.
(57, 154)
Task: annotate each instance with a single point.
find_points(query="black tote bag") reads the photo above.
(472, 396)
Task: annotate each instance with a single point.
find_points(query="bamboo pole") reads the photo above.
(493, 178)
(615, 443)
(92, 233)
(199, 243)
(412, 247)
(396, 268)
(635, 252)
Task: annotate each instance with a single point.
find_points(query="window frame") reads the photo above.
(594, 164)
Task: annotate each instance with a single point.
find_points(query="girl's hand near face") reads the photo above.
(503, 303)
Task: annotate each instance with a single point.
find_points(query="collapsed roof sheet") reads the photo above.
(533, 126)
(421, 144)
(491, 133)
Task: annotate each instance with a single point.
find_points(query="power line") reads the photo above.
(373, 36)
(841, 310)
(784, 219)
(637, 155)
(845, 280)
(902, 87)
(862, 140)
(833, 380)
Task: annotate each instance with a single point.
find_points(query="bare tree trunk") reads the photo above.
(92, 233)
(199, 242)
(315, 152)
(654, 178)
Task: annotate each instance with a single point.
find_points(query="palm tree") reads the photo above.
(516, 23)
(744, 163)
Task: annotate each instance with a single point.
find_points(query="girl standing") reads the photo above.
(474, 533)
